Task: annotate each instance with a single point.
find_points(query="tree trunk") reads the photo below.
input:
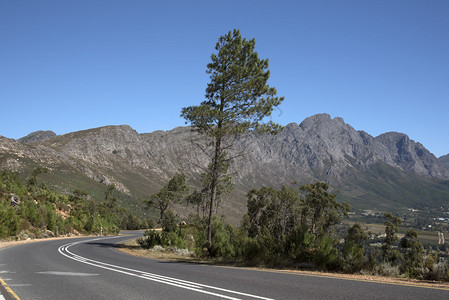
(215, 169)
(213, 194)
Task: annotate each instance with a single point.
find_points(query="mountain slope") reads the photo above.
(37, 136)
(444, 161)
(383, 172)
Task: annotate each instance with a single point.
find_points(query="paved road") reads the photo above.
(93, 268)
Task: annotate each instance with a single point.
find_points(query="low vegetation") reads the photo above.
(31, 210)
(302, 228)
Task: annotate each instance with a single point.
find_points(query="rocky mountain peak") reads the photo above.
(315, 121)
(411, 156)
(37, 136)
(119, 140)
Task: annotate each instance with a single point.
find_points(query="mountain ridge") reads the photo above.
(319, 148)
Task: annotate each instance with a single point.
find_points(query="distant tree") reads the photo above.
(197, 199)
(131, 222)
(320, 209)
(32, 181)
(274, 210)
(109, 194)
(353, 251)
(259, 216)
(414, 254)
(172, 193)
(283, 224)
(391, 228)
(238, 99)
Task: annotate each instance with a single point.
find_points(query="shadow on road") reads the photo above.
(113, 245)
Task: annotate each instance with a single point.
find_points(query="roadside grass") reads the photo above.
(132, 247)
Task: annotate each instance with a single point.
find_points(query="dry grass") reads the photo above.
(133, 248)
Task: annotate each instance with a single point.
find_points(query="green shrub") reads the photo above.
(9, 221)
(171, 239)
(301, 245)
(222, 239)
(326, 255)
(150, 239)
(353, 249)
(174, 239)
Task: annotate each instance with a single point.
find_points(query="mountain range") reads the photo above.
(387, 172)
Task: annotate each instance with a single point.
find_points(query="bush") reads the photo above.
(249, 249)
(150, 223)
(386, 269)
(301, 245)
(326, 256)
(222, 240)
(9, 221)
(174, 239)
(171, 239)
(150, 239)
(439, 272)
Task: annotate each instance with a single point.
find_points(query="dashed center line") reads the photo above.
(66, 273)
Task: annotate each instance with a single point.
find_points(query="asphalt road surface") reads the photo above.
(93, 268)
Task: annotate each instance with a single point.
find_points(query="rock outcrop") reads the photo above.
(444, 161)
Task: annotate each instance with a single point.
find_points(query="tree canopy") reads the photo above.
(173, 192)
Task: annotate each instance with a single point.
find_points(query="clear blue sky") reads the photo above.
(381, 65)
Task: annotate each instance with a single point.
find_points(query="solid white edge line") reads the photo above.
(149, 276)
(156, 280)
(180, 281)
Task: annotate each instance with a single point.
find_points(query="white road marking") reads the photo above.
(67, 273)
(193, 286)
(19, 284)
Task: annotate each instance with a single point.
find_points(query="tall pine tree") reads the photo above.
(238, 98)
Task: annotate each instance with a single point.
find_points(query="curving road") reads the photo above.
(93, 268)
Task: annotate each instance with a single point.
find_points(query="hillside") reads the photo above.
(385, 172)
(37, 136)
(444, 161)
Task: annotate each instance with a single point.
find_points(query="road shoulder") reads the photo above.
(132, 248)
